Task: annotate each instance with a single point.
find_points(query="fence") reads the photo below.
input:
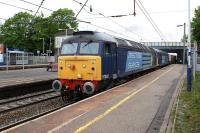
(29, 60)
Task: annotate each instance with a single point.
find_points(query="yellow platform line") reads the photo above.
(84, 127)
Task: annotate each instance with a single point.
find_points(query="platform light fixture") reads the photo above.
(42, 45)
(184, 40)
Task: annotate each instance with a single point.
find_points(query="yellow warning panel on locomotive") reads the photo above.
(79, 67)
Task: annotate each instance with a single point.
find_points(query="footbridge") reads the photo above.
(170, 47)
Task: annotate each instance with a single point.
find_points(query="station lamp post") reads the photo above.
(42, 45)
(184, 40)
(189, 68)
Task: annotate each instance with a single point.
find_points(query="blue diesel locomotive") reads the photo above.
(90, 61)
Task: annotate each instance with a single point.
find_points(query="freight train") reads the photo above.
(89, 61)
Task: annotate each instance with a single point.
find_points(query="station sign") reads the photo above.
(14, 49)
(1, 53)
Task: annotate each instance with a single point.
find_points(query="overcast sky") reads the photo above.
(167, 14)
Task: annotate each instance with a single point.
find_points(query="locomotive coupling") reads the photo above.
(57, 85)
(88, 88)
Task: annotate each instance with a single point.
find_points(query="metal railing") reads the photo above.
(29, 60)
(164, 44)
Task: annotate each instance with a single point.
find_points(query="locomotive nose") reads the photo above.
(88, 88)
(57, 85)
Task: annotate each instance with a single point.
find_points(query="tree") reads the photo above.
(15, 31)
(25, 31)
(196, 26)
(47, 27)
(62, 19)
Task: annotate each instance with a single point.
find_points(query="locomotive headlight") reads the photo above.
(84, 66)
(79, 76)
(69, 65)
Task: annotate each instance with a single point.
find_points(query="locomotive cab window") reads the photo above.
(89, 48)
(70, 48)
(107, 49)
(114, 48)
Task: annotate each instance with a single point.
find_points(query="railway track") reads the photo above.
(14, 103)
(17, 110)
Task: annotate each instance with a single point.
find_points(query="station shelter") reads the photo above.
(19, 57)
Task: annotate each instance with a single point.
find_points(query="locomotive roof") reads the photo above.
(100, 36)
(90, 36)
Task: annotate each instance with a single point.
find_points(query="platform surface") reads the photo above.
(16, 77)
(138, 106)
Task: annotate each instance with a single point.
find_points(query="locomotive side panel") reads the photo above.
(133, 61)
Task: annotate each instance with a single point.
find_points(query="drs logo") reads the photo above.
(134, 61)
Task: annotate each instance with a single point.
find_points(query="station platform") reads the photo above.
(17, 77)
(139, 106)
(16, 67)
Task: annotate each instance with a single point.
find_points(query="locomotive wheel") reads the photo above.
(66, 95)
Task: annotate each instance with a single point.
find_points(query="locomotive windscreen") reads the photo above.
(80, 48)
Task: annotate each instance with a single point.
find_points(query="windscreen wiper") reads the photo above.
(87, 43)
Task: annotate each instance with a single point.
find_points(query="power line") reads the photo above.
(108, 30)
(153, 21)
(145, 12)
(142, 8)
(16, 6)
(111, 20)
(81, 9)
(128, 15)
(39, 7)
(3, 19)
(36, 5)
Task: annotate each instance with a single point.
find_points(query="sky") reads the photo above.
(166, 14)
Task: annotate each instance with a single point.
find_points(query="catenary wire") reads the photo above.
(111, 20)
(3, 19)
(128, 15)
(36, 5)
(16, 6)
(109, 30)
(39, 7)
(140, 5)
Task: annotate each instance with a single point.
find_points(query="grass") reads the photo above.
(188, 111)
